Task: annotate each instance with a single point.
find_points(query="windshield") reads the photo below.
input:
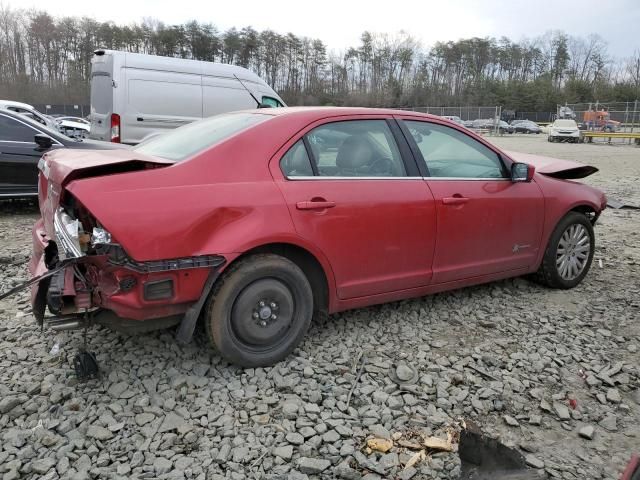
(186, 141)
(566, 123)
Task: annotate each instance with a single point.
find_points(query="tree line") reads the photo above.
(45, 59)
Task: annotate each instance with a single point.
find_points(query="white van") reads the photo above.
(136, 96)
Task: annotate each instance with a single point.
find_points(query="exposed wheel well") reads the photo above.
(309, 265)
(587, 211)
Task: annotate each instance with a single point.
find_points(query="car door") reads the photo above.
(19, 157)
(487, 224)
(353, 195)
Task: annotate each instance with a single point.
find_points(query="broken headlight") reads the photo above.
(69, 233)
(100, 236)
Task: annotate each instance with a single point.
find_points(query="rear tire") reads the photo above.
(259, 310)
(569, 253)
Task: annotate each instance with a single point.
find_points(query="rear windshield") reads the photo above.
(186, 141)
(566, 123)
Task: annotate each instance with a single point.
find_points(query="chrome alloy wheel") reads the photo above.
(573, 250)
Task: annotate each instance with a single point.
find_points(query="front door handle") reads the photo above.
(315, 205)
(455, 200)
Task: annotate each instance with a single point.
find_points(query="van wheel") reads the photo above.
(259, 310)
(569, 253)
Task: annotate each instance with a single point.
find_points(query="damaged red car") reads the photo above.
(257, 221)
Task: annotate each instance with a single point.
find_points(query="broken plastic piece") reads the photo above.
(380, 444)
(55, 349)
(435, 443)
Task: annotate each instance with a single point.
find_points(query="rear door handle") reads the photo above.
(315, 205)
(454, 200)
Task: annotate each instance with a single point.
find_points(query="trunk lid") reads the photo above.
(63, 165)
(59, 167)
(554, 167)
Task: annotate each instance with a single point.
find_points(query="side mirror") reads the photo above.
(45, 142)
(522, 172)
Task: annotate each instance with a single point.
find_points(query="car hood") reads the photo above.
(71, 124)
(554, 167)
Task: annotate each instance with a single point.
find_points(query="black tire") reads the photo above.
(549, 272)
(254, 334)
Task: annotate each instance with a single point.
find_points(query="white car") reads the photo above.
(564, 130)
(74, 127)
(29, 111)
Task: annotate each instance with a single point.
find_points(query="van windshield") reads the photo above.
(186, 141)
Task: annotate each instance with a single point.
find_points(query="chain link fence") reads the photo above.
(607, 116)
(464, 113)
(66, 110)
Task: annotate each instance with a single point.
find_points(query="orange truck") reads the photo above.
(600, 120)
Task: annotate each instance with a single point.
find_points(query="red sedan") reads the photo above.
(258, 221)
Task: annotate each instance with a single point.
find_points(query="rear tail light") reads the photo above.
(115, 128)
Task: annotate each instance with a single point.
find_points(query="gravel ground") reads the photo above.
(552, 373)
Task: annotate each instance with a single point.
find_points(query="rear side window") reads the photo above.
(186, 141)
(452, 154)
(13, 131)
(296, 162)
(356, 148)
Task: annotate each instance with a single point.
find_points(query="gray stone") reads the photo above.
(172, 422)
(512, 422)
(613, 395)
(285, 452)
(389, 461)
(609, 423)
(43, 465)
(162, 465)
(290, 410)
(9, 403)
(535, 419)
(345, 471)
(404, 373)
(331, 436)
(562, 411)
(294, 438)
(587, 432)
(99, 433)
(144, 418)
(407, 473)
(313, 465)
(534, 461)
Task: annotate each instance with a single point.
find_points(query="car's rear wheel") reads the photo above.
(569, 254)
(259, 310)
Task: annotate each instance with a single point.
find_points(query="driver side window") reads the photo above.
(452, 154)
(356, 148)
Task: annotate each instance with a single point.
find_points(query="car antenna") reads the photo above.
(249, 92)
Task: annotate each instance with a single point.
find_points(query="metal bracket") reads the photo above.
(63, 264)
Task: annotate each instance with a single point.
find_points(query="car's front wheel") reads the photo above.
(569, 253)
(259, 310)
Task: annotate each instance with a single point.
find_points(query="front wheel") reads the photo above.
(569, 253)
(259, 310)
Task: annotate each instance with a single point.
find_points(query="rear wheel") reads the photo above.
(569, 254)
(259, 310)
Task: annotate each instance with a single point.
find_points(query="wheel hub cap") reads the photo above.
(265, 312)
(262, 312)
(573, 251)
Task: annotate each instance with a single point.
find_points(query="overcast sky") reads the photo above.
(339, 23)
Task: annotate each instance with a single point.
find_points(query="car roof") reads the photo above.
(324, 112)
(11, 103)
